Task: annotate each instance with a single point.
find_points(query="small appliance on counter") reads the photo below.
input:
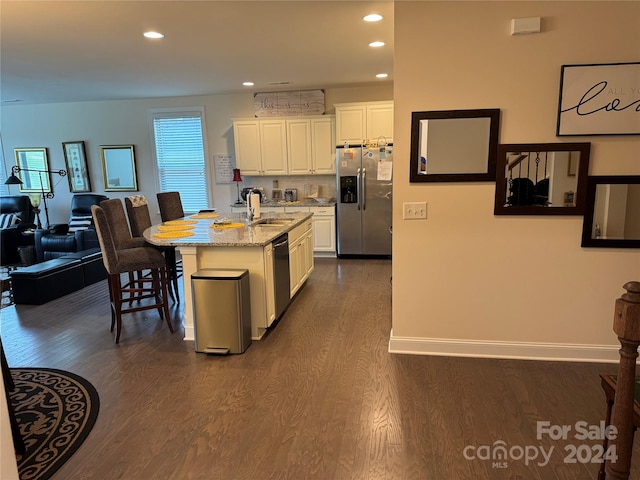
(291, 195)
(276, 195)
(245, 192)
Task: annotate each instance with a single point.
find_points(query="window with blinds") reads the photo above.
(180, 156)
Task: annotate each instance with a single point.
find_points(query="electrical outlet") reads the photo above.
(414, 210)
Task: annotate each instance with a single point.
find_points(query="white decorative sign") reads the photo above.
(279, 104)
(224, 165)
(599, 99)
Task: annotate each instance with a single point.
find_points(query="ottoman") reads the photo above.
(46, 281)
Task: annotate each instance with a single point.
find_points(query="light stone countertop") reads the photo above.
(249, 235)
(301, 203)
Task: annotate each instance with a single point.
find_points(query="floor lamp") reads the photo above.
(15, 180)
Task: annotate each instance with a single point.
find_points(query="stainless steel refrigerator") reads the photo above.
(363, 188)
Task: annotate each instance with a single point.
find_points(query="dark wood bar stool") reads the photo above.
(139, 221)
(170, 206)
(126, 261)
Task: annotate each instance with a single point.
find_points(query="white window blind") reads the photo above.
(180, 157)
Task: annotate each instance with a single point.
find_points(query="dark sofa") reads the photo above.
(59, 241)
(13, 237)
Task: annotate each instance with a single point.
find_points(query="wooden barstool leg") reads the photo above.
(117, 303)
(626, 324)
(165, 304)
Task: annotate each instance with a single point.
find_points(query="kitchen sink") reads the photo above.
(274, 222)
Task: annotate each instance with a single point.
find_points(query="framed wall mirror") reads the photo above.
(118, 168)
(612, 214)
(542, 178)
(454, 145)
(34, 170)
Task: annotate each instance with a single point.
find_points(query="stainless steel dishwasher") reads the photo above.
(281, 273)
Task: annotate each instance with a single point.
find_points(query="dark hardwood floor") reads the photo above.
(318, 398)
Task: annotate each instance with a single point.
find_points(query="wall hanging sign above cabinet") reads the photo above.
(278, 104)
(599, 99)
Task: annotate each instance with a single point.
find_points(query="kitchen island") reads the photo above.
(236, 243)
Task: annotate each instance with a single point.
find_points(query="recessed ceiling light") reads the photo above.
(374, 17)
(153, 35)
(247, 84)
(376, 44)
(382, 75)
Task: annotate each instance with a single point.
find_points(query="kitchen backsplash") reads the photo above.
(305, 184)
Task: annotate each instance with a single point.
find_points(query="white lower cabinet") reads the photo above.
(300, 255)
(324, 228)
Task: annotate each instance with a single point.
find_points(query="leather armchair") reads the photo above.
(13, 237)
(58, 241)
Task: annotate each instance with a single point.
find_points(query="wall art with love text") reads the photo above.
(601, 99)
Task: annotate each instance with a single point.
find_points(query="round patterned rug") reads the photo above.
(55, 411)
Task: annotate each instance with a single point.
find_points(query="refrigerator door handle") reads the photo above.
(358, 193)
(364, 189)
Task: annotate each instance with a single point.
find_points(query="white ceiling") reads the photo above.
(78, 50)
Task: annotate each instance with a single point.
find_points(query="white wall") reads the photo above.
(456, 286)
(127, 122)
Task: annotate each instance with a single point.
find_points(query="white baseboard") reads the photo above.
(517, 350)
(189, 334)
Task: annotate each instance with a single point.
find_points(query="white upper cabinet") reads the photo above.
(246, 137)
(358, 123)
(273, 143)
(299, 146)
(261, 146)
(311, 146)
(281, 146)
(323, 145)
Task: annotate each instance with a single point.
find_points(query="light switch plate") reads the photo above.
(414, 210)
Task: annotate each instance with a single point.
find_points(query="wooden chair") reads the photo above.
(170, 206)
(118, 261)
(139, 221)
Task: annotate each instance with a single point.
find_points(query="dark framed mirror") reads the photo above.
(542, 178)
(454, 145)
(612, 214)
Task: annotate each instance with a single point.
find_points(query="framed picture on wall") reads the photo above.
(77, 171)
(602, 99)
(118, 168)
(33, 167)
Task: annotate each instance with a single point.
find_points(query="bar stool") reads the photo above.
(139, 221)
(170, 206)
(128, 260)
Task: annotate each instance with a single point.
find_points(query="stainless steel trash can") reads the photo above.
(222, 310)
